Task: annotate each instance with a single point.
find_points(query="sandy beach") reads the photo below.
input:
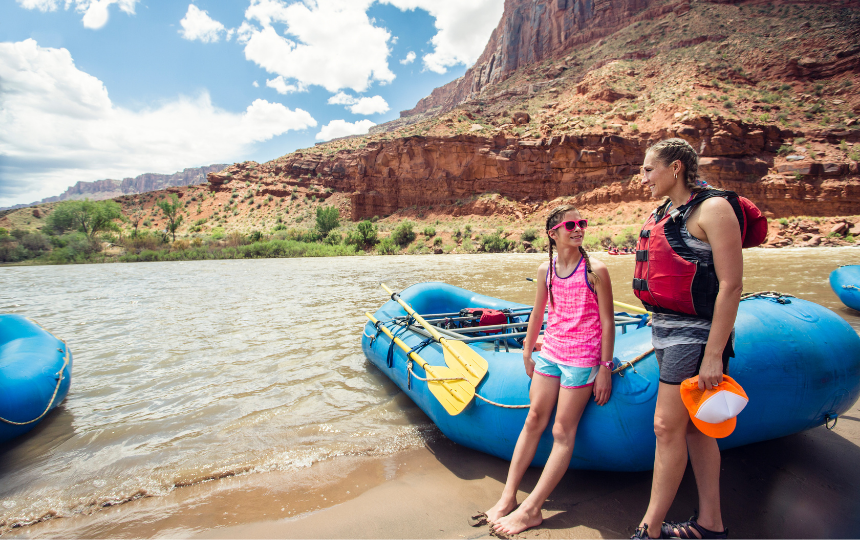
(802, 486)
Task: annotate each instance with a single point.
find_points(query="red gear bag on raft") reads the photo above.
(669, 277)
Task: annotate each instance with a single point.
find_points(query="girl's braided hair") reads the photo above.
(555, 217)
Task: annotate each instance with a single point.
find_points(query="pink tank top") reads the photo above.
(573, 332)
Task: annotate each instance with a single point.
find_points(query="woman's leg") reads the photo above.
(543, 395)
(571, 403)
(705, 458)
(670, 460)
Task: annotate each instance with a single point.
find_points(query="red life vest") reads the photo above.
(669, 277)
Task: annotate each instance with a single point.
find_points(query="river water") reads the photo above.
(189, 372)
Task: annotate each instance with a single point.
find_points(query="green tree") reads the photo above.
(327, 219)
(85, 216)
(171, 212)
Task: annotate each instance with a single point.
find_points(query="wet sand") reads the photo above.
(802, 486)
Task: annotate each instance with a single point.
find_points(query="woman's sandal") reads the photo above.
(688, 529)
(642, 533)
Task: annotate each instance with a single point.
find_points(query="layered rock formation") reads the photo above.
(595, 169)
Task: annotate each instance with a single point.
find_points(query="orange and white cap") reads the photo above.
(714, 411)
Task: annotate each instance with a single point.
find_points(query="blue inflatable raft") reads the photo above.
(845, 282)
(798, 362)
(35, 374)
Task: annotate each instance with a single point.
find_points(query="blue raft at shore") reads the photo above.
(35, 374)
(798, 362)
(845, 282)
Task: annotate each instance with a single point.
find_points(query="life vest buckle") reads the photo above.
(640, 284)
(641, 255)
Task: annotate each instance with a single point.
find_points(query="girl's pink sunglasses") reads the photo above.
(572, 225)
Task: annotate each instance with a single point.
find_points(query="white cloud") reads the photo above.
(41, 5)
(95, 11)
(365, 105)
(342, 128)
(463, 29)
(341, 98)
(58, 126)
(329, 43)
(370, 105)
(197, 24)
(255, 84)
(410, 57)
(280, 84)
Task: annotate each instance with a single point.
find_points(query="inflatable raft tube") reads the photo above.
(845, 282)
(798, 362)
(35, 374)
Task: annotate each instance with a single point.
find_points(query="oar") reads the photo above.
(458, 355)
(620, 305)
(455, 394)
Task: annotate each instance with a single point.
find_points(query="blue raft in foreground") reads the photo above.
(845, 282)
(798, 362)
(35, 374)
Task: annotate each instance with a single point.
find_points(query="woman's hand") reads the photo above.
(530, 365)
(603, 385)
(711, 372)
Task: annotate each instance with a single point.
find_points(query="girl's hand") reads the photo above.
(530, 365)
(603, 386)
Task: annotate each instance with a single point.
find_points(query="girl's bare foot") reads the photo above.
(518, 521)
(500, 510)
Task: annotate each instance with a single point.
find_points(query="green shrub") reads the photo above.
(429, 232)
(437, 241)
(403, 235)
(387, 246)
(365, 235)
(333, 238)
(529, 235)
(218, 233)
(494, 243)
(785, 149)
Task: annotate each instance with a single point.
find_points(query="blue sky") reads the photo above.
(95, 89)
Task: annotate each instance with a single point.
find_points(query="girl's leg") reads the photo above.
(543, 395)
(571, 403)
(670, 460)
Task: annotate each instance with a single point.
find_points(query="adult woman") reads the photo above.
(686, 343)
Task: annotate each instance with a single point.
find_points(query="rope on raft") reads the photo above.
(59, 376)
(855, 287)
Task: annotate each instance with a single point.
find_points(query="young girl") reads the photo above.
(574, 364)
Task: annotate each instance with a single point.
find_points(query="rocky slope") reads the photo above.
(108, 189)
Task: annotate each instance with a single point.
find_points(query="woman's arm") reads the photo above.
(720, 225)
(603, 288)
(535, 319)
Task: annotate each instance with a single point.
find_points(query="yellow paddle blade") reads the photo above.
(464, 360)
(453, 395)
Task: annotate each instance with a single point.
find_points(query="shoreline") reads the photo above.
(803, 485)
(116, 260)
